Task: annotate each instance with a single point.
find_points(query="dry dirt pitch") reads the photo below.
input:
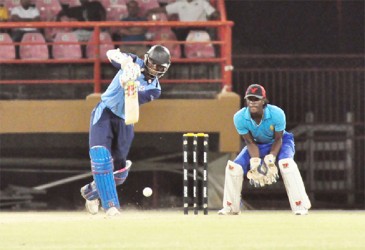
(172, 230)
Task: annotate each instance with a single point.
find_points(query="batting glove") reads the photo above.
(131, 72)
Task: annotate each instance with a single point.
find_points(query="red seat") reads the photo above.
(62, 50)
(48, 9)
(157, 17)
(109, 3)
(166, 34)
(203, 50)
(33, 46)
(70, 3)
(166, 1)
(7, 50)
(50, 33)
(106, 44)
(145, 5)
(11, 4)
(116, 12)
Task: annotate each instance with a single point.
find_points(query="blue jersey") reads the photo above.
(273, 120)
(113, 97)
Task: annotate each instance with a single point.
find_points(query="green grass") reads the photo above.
(172, 230)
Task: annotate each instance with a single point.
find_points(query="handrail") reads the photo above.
(224, 42)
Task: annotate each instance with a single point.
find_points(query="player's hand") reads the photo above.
(257, 173)
(131, 72)
(273, 172)
(119, 58)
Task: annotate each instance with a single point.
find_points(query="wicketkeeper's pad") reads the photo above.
(233, 186)
(294, 185)
(102, 169)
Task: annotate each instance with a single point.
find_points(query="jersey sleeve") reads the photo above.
(239, 122)
(280, 120)
(148, 95)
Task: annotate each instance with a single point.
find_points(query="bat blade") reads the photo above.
(131, 104)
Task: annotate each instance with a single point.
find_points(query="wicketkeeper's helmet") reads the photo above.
(157, 61)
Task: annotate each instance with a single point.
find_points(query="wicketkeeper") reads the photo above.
(110, 138)
(262, 126)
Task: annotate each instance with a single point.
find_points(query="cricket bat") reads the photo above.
(131, 105)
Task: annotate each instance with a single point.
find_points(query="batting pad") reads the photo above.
(102, 169)
(294, 185)
(233, 186)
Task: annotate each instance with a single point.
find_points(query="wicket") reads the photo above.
(195, 168)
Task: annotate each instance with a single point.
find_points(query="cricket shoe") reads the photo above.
(92, 206)
(227, 211)
(112, 211)
(301, 212)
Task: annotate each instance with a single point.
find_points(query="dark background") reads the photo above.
(297, 26)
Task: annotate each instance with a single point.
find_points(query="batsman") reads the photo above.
(268, 145)
(112, 123)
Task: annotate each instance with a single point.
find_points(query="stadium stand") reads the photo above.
(66, 51)
(167, 36)
(48, 9)
(116, 12)
(33, 46)
(8, 48)
(70, 3)
(106, 44)
(11, 4)
(146, 5)
(199, 50)
(111, 3)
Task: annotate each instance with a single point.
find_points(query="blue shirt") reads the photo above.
(273, 120)
(113, 97)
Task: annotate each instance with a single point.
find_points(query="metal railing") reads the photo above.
(223, 59)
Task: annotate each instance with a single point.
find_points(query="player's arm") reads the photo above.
(149, 95)
(251, 145)
(118, 59)
(254, 175)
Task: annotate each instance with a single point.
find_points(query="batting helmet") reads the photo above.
(157, 61)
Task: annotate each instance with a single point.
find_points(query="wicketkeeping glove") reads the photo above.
(257, 173)
(273, 172)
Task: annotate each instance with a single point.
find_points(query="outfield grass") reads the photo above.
(172, 230)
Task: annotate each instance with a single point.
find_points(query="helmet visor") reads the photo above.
(155, 70)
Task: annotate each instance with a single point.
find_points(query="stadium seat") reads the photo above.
(70, 3)
(199, 50)
(48, 9)
(110, 3)
(11, 4)
(33, 46)
(157, 17)
(166, 1)
(50, 33)
(145, 5)
(166, 34)
(66, 51)
(7, 50)
(106, 44)
(116, 12)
